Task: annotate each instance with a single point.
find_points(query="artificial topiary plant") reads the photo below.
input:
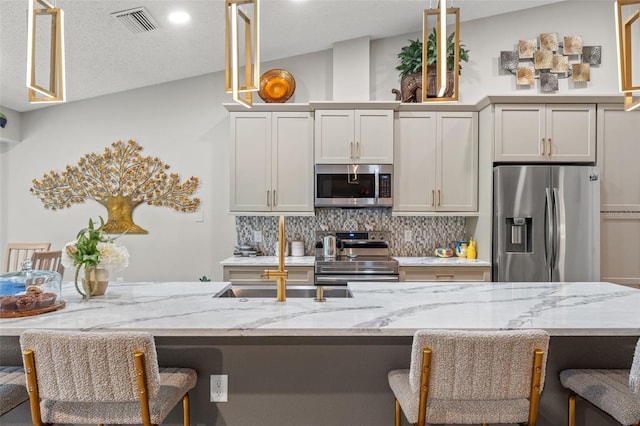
(410, 67)
(410, 58)
(451, 52)
(411, 55)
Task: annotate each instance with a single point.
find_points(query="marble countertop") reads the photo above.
(391, 309)
(309, 261)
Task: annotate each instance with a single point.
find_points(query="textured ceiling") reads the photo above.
(102, 57)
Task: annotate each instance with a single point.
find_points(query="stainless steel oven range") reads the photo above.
(360, 256)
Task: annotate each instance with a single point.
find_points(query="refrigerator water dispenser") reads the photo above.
(518, 235)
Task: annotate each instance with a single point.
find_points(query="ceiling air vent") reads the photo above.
(137, 20)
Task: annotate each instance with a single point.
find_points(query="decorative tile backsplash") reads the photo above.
(428, 232)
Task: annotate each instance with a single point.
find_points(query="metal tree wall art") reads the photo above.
(120, 179)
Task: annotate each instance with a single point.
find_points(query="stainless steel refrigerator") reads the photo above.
(546, 223)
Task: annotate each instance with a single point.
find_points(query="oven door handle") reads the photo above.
(362, 271)
(333, 279)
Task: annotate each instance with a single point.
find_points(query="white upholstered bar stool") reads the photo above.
(472, 377)
(13, 391)
(616, 392)
(96, 378)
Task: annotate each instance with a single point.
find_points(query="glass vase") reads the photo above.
(95, 281)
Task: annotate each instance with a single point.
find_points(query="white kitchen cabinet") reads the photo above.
(620, 248)
(618, 154)
(436, 162)
(444, 273)
(545, 133)
(354, 136)
(271, 162)
(252, 275)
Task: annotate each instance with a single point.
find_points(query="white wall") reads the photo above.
(185, 125)
(486, 38)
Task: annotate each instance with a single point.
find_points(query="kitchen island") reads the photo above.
(315, 363)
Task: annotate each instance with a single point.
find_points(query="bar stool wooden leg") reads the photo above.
(186, 411)
(398, 413)
(572, 409)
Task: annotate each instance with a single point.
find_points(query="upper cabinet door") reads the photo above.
(292, 162)
(457, 164)
(334, 136)
(250, 161)
(571, 133)
(519, 132)
(414, 170)
(545, 133)
(353, 137)
(373, 136)
(618, 154)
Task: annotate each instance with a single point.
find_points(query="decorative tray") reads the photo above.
(29, 312)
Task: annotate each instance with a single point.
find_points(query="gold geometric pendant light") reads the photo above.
(235, 49)
(446, 90)
(628, 29)
(45, 29)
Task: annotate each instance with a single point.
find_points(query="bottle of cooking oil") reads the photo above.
(471, 249)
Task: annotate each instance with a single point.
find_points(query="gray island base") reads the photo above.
(302, 362)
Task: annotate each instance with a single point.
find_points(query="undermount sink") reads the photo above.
(269, 292)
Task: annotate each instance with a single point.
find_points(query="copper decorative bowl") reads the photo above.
(276, 86)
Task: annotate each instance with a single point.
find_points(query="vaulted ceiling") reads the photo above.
(104, 57)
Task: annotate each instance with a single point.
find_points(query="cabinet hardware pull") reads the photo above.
(357, 149)
(275, 200)
(549, 147)
(433, 197)
(543, 147)
(351, 150)
(439, 198)
(444, 276)
(268, 199)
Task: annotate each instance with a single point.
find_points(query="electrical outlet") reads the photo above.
(408, 235)
(219, 388)
(257, 236)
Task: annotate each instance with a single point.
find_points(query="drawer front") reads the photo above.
(447, 274)
(238, 275)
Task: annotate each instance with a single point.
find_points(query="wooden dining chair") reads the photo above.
(19, 252)
(47, 261)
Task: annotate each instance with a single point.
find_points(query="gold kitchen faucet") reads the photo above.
(281, 274)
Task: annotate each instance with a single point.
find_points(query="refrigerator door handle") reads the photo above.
(548, 235)
(556, 231)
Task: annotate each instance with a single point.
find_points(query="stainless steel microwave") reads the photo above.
(353, 185)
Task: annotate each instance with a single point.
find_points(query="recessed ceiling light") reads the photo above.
(179, 17)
